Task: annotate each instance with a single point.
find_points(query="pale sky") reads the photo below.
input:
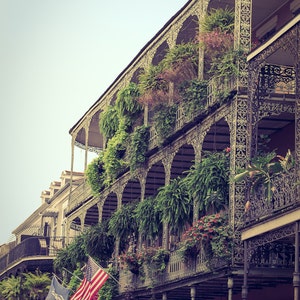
(57, 57)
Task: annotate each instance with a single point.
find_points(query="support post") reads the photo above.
(193, 292)
(245, 282)
(296, 275)
(230, 286)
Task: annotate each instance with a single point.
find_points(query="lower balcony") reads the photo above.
(271, 266)
(32, 253)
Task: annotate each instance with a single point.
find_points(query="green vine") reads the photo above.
(109, 121)
(95, 174)
(113, 155)
(164, 120)
(138, 146)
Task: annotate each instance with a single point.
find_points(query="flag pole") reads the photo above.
(62, 283)
(112, 277)
(72, 274)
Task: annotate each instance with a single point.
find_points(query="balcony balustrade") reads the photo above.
(37, 246)
(284, 198)
(79, 196)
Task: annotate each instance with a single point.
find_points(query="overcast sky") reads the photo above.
(56, 58)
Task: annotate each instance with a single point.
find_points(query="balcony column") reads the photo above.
(167, 162)
(230, 286)
(242, 35)
(245, 281)
(193, 292)
(297, 105)
(164, 296)
(201, 11)
(86, 128)
(296, 275)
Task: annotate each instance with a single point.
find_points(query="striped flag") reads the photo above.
(93, 280)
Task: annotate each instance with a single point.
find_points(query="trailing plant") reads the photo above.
(128, 106)
(95, 174)
(221, 19)
(127, 101)
(138, 146)
(153, 88)
(175, 205)
(263, 168)
(164, 120)
(194, 95)
(109, 121)
(113, 155)
(211, 234)
(148, 218)
(71, 255)
(133, 261)
(156, 259)
(180, 63)
(122, 223)
(208, 181)
(99, 243)
(110, 289)
(226, 66)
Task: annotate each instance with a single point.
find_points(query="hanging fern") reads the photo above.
(219, 19)
(148, 218)
(122, 223)
(138, 146)
(95, 174)
(127, 101)
(175, 205)
(164, 120)
(208, 181)
(109, 121)
(113, 160)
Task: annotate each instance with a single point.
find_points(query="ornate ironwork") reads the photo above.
(276, 79)
(283, 198)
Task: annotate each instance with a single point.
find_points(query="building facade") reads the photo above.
(261, 102)
(245, 74)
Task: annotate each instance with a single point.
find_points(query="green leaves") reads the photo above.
(208, 181)
(221, 19)
(122, 223)
(263, 168)
(175, 205)
(164, 120)
(95, 174)
(138, 146)
(148, 218)
(109, 121)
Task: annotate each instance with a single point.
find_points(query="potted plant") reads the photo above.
(109, 121)
(211, 233)
(133, 261)
(262, 170)
(156, 259)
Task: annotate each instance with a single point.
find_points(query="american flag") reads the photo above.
(93, 280)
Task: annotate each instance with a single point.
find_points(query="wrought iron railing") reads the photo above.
(284, 197)
(176, 268)
(79, 196)
(35, 246)
(277, 79)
